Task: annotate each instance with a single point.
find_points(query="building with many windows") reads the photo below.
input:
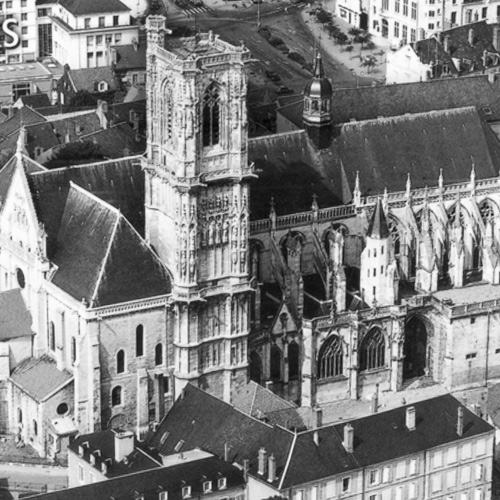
(83, 31)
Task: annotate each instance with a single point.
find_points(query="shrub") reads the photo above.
(296, 57)
(283, 48)
(275, 41)
(265, 33)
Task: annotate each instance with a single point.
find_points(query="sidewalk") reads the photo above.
(351, 60)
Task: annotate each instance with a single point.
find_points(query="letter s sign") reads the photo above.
(10, 33)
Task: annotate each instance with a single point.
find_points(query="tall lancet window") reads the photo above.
(211, 116)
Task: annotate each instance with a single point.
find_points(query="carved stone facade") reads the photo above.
(197, 193)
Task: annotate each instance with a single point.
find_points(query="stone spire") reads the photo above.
(378, 227)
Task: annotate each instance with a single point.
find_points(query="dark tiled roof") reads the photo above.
(366, 103)
(39, 377)
(291, 170)
(104, 441)
(36, 100)
(82, 7)
(260, 402)
(383, 151)
(196, 414)
(119, 183)
(151, 483)
(97, 254)
(378, 224)
(25, 116)
(377, 438)
(130, 56)
(74, 127)
(119, 113)
(15, 319)
(118, 141)
(85, 79)
(459, 47)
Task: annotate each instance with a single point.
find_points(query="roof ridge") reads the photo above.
(281, 134)
(106, 256)
(288, 460)
(397, 118)
(97, 163)
(93, 197)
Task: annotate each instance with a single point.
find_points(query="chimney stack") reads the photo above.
(496, 38)
(226, 452)
(471, 37)
(411, 418)
(318, 418)
(124, 444)
(271, 475)
(446, 43)
(348, 438)
(316, 438)
(374, 406)
(460, 421)
(262, 461)
(269, 384)
(245, 469)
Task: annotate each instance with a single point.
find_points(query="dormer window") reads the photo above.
(179, 445)
(163, 495)
(186, 492)
(102, 86)
(222, 483)
(207, 486)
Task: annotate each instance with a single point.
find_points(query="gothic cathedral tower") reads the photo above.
(197, 195)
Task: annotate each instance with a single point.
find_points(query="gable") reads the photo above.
(283, 321)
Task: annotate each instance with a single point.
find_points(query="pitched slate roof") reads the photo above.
(83, 7)
(381, 150)
(196, 414)
(149, 484)
(432, 50)
(366, 103)
(299, 460)
(100, 256)
(130, 56)
(262, 403)
(104, 441)
(378, 228)
(39, 377)
(25, 116)
(15, 319)
(35, 100)
(86, 78)
(117, 182)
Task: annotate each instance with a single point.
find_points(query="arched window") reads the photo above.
(116, 396)
(330, 360)
(158, 354)
(139, 340)
(487, 211)
(19, 416)
(211, 116)
(52, 336)
(35, 427)
(120, 361)
(372, 351)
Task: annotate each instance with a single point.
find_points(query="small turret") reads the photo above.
(317, 115)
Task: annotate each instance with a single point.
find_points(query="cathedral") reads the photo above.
(342, 258)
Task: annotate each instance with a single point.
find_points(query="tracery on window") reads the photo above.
(330, 360)
(211, 116)
(372, 351)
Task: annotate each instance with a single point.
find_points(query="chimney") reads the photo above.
(269, 384)
(135, 43)
(318, 418)
(446, 43)
(460, 421)
(245, 469)
(496, 38)
(348, 438)
(471, 37)
(271, 475)
(411, 418)
(262, 461)
(226, 452)
(316, 438)
(114, 55)
(124, 444)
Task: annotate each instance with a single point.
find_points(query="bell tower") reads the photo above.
(197, 196)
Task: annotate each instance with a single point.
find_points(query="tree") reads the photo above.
(80, 150)
(323, 16)
(349, 48)
(364, 37)
(355, 32)
(369, 62)
(341, 38)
